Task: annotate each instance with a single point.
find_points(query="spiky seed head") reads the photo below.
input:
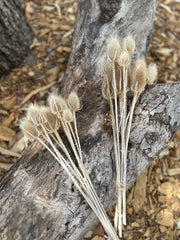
(67, 115)
(73, 101)
(151, 73)
(29, 130)
(113, 49)
(124, 59)
(139, 76)
(56, 103)
(34, 115)
(129, 45)
(53, 122)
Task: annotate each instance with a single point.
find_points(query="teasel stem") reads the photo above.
(91, 192)
(118, 169)
(69, 137)
(83, 180)
(105, 221)
(76, 134)
(60, 143)
(135, 98)
(123, 141)
(75, 139)
(115, 149)
(90, 186)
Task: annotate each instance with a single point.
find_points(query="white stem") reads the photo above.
(124, 141)
(106, 224)
(76, 134)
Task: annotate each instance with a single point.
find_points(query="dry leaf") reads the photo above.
(7, 121)
(19, 146)
(164, 51)
(166, 188)
(6, 133)
(53, 73)
(10, 104)
(6, 166)
(165, 218)
(173, 171)
(3, 112)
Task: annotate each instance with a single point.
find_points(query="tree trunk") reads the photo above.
(38, 200)
(15, 35)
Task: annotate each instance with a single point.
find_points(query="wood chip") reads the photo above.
(11, 103)
(6, 133)
(140, 192)
(166, 188)
(165, 218)
(173, 171)
(8, 152)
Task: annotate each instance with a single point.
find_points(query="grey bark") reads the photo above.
(15, 35)
(37, 199)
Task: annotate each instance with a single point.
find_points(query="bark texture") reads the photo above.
(37, 199)
(15, 35)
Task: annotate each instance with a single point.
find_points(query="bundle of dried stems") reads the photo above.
(119, 79)
(42, 124)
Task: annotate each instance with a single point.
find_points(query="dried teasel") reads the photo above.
(151, 73)
(113, 49)
(129, 45)
(124, 59)
(56, 103)
(34, 115)
(73, 101)
(53, 122)
(139, 79)
(67, 115)
(29, 130)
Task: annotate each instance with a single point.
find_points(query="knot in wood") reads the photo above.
(151, 137)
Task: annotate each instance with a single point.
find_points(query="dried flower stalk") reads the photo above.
(118, 80)
(42, 124)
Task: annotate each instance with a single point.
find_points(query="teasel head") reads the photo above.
(35, 116)
(129, 45)
(52, 124)
(138, 79)
(151, 73)
(56, 103)
(73, 101)
(113, 49)
(29, 130)
(124, 59)
(67, 115)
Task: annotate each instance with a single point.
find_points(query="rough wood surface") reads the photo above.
(37, 200)
(15, 35)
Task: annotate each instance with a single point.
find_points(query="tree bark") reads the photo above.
(37, 199)
(15, 35)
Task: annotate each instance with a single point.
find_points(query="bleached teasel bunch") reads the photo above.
(42, 124)
(118, 80)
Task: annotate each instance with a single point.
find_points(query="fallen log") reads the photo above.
(37, 199)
